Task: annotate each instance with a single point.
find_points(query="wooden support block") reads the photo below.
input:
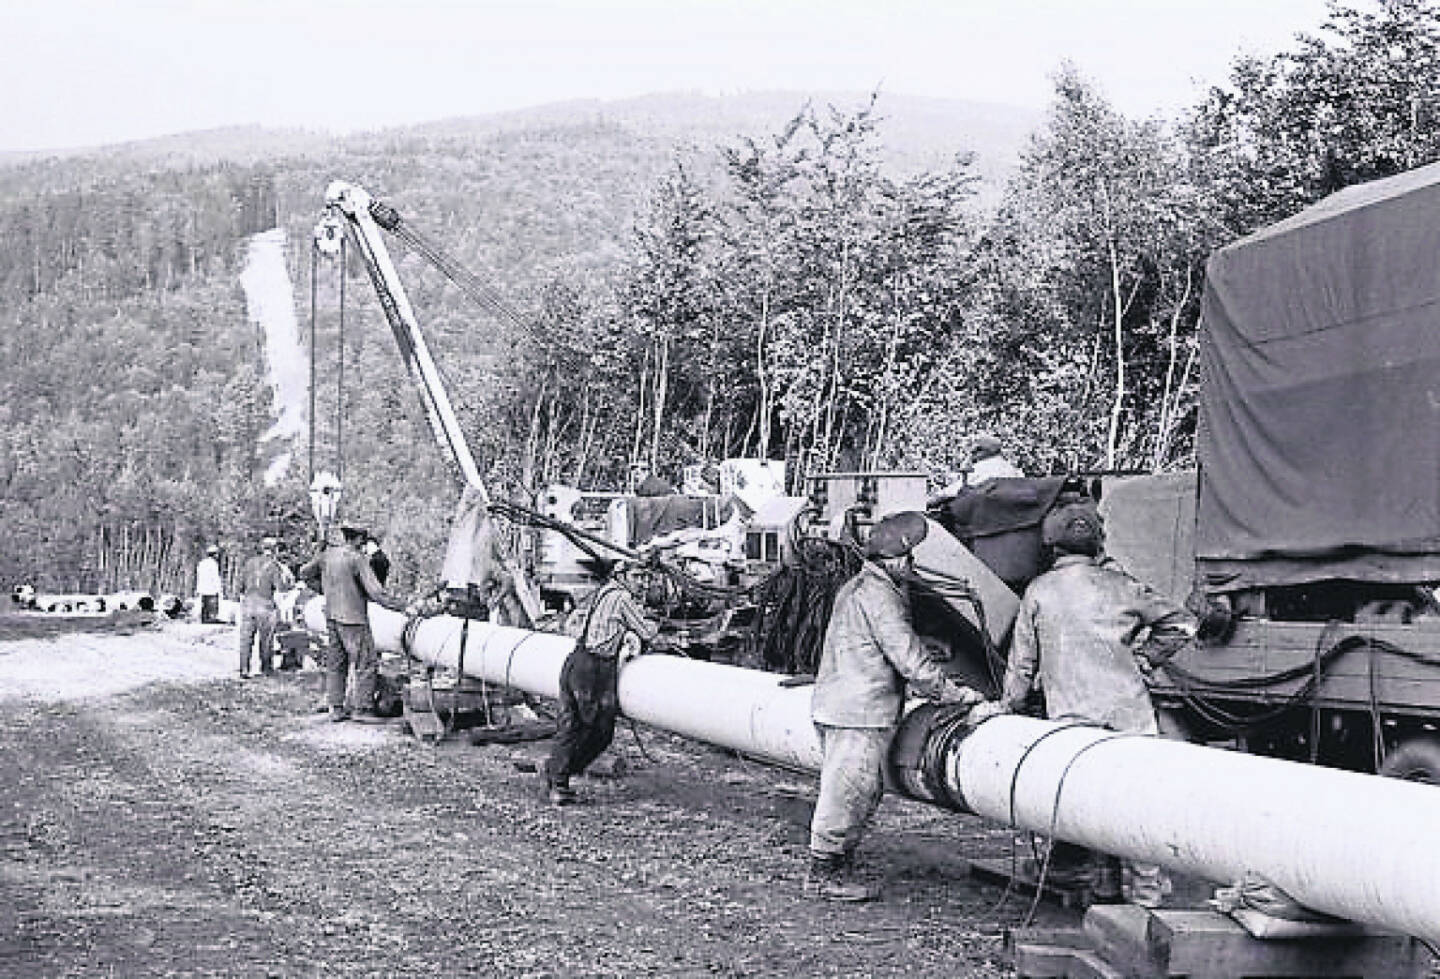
(1124, 940)
(1045, 953)
(1010, 873)
(1124, 936)
(1209, 945)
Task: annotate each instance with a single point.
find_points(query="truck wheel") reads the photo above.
(1415, 760)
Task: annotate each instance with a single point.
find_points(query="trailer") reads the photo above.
(1307, 539)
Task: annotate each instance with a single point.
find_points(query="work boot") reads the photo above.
(829, 879)
(338, 714)
(367, 715)
(557, 787)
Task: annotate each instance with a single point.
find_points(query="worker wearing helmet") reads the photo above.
(1088, 632)
(613, 629)
(871, 654)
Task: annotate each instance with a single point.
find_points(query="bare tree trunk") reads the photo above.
(881, 422)
(582, 450)
(640, 409)
(762, 374)
(1162, 438)
(532, 442)
(662, 391)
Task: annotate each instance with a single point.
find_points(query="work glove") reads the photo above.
(956, 693)
(984, 710)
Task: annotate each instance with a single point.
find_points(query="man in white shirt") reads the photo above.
(208, 587)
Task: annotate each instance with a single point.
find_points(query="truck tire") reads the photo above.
(1415, 760)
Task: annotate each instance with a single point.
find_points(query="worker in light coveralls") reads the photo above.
(871, 652)
(349, 584)
(613, 629)
(1089, 632)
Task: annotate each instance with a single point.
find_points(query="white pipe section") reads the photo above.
(1357, 846)
(744, 710)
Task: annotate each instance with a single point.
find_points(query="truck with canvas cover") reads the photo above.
(1308, 537)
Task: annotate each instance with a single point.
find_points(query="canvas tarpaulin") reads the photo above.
(1319, 443)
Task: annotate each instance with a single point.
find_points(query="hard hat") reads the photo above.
(212, 549)
(896, 535)
(1073, 527)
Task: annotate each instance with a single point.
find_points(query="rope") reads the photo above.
(1054, 809)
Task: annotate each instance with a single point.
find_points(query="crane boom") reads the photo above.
(353, 205)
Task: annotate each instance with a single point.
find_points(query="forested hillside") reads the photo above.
(816, 292)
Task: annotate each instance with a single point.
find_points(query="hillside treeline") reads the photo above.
(785, 296)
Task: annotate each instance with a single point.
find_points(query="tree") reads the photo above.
(1096, 251)
(1358, 100)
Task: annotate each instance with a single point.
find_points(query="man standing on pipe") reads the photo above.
(615, 628)
(1088, 630)
(871, 650)
(349, 584)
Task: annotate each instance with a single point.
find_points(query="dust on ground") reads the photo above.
(163, 817)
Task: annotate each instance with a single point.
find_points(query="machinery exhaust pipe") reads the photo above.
(1356, 846)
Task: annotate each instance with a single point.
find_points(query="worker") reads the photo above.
(379, 560)
(348, 583)
(261, 577)
(208, 587)
(613, 630)
(1089, 632)
(986, 462)
(870, 652)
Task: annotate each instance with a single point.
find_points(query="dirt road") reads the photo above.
(162, 818)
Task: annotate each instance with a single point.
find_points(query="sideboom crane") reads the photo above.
(355, 207)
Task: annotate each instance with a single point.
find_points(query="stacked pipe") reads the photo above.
(1356, 846)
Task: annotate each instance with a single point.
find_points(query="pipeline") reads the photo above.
(1355, 846)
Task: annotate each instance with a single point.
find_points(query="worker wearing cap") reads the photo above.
(1088, 632)
(613, 629)
(208, 587)
(349, 585)
(986, 462)
(871, 654)
(261, 577)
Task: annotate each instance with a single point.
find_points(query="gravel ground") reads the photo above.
(164, 818)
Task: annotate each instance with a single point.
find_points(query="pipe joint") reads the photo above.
(926, 738)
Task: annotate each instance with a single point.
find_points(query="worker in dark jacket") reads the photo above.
(871, 654)
(349, 584)
(260, 578)
(614, 628)
(1088, 632)
(379, 560)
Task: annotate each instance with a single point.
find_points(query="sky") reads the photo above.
(92, 72)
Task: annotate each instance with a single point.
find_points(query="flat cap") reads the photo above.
(896, 535)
